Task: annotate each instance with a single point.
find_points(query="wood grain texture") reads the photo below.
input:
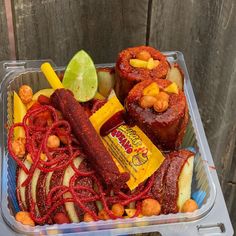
(229, 187)
(194, 28)
(205, 31)
(4, 49)
(57, 29)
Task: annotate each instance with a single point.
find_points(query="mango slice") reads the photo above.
(19, 113)
(174, 75)
(172, 88)
(45, 92)
(152, 63)
(138, 63)
(151, 90)
(51, 76)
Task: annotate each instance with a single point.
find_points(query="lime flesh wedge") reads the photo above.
(81, 77)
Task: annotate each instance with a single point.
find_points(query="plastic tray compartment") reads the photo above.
(28, 72)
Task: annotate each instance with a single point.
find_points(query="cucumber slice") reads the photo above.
(106, 82)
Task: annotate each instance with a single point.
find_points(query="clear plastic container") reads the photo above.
(14, 74)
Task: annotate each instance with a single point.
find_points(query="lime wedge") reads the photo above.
(81, 77)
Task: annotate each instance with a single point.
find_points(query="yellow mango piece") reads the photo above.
(151, 90)
(138, 63)
(51, 76)
(19, 113)
(30, 104)
(152, 63)
(45, 92)
(156, 63)
(172, 88)
(99, 96)
(130, 212)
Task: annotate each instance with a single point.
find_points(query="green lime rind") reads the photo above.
(81, 77)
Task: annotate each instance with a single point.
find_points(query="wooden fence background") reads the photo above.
(204, 30)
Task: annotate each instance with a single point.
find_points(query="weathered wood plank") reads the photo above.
(205, 32)
(229, 187)
(4, 45)
(57, 29)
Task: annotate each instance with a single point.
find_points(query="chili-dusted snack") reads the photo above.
(98, 156)
(137, 64)
(131, 149)
(164, 120)
(189, 206)
(150, 207)
(26, 94)
(24, 218)
(62, 168)
(172, 184)
(59, 193)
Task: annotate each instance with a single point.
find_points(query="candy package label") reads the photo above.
(131, 149)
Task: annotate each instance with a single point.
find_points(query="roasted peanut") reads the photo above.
(189, 206)
(147, 101)
(25, 93)
(162, 96)
(24, 218)
(88, 218)
(162, 102)
(53, 141)
(118, 209)
(150, 207)
(160, 105)
(156, 63)
(102, 215)
(151, 90)
(18, 147)
(143, 55)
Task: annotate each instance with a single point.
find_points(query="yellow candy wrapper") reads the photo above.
(131, 149)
